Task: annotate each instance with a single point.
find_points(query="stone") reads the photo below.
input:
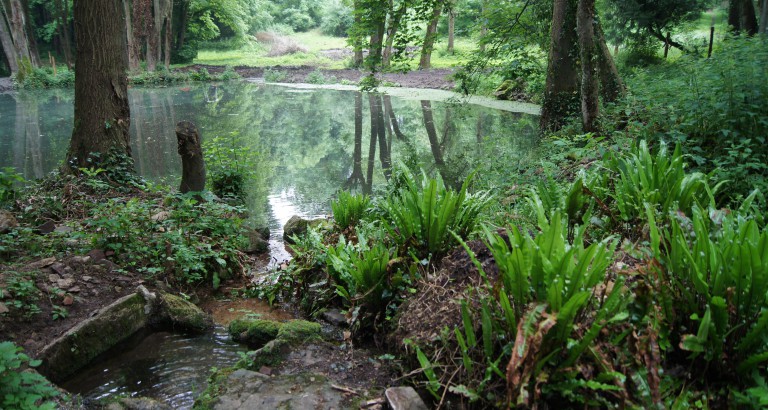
(299, 331)
(58, 268)
(7, 221)
(74, 289)
(243, 389)
(80, 259)
(256, 242)
(404, 398)
(183, 315)
(46, 228)
(138, 403)
(294, 227)
(87, 278)
(42, 263)
(68, 300)
(53, 278)
(160, 216)
(96, 255)
(253, 332)
(63, 230)
(334, 317)
(65, 283)
(3, 309)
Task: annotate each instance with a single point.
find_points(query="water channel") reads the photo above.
(310, 143)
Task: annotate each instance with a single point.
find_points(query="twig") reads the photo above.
(345, 389)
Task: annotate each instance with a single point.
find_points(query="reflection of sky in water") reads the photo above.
(306, 138)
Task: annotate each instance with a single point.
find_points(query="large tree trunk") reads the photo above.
(741, 17)
(561, 95)
(192, 163)
(425, 61)
(384, 154)
(6, 41)
(134, 61)
(590, 86)
(357, 157)
(30, 35)
(451, 29)
(764, 17)
(153, 40)
(62, 18)
(376, 44)
(611, 86)
(392, 27)
(429, 124)
(102, 115)
(357, 38)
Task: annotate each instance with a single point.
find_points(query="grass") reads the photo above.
(255, 55)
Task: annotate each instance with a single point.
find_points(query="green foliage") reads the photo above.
(422, 213)
(349, 209)
(316, 77)
(274, 76)
(9, 178)
(38, 78)
(21, 389)
(366, 280)
(337, 19)
(23, 294)
(713, 107)
(715, 284)
(231, 164)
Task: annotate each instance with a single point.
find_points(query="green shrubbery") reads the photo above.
(21, 389)
(44, 77)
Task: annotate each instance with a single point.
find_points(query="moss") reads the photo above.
(184, 315)
(254, 332)
(215, 380)
(298, 331)
(271, 354)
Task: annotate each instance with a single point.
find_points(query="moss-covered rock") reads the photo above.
(253, 332)
(298, 331)
(184, 315)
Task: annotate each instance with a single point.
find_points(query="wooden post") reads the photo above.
(192, 163)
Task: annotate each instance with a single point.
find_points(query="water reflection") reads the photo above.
(312, 142)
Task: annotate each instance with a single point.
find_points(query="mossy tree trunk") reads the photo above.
(102, 115)
(561, 95)
(430, 36)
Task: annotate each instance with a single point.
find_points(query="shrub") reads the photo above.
(316, 77)
(349, 209)
(8, 180)
(20, 389)
(337, 20)
(231, 164)
(43, 77)
(274, 76)
(422, 213)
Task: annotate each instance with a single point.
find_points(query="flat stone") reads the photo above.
(59, 268)
(54, 278)
(86, 278)
(252, 390)
(334, 317)
(74, 289)
(404, 398)
(63, 229)
(42, 263)
(65, 283)
(81, 259)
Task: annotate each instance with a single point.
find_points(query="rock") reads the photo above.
(297, 331)
(59, 268)
(86, 278)
(183, 315)
(256, 242)
(263, 232)
(74, 289)
(297, 226)
(80, 259)
(3, 309)
(96, 255)
(46, 228)
(138, 403)
(68, 300)
(244, 389)
(41, 263)
(334, 317)
(63, 230)
(7, 221)
(65, 283)
(404, 398)
(53, 278)
(254, 332)
(161, 216)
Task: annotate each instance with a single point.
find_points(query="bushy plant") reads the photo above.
(44, 77)
(231, 164)
(21, 389)
(9, 179)
(316, 77)
(337, 19)
(274, 76)
(422, 213)
(349, 209)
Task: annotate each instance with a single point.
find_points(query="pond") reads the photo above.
(311, 141)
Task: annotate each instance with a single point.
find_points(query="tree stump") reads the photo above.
(192, 164)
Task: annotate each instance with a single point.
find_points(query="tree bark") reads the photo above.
(7, 42)
(384, 154)
(561, 95)
(357, 157)
(192, 163)
(62, 18)
(611, 86)
(392, 27)
(368, 185)
(741, 17)
(357, 38)
(590, 86)
(153, 39)
(102, 115)
(425, 61)
(134, 62)
(451, 29)
(429, 124)
(764, 17)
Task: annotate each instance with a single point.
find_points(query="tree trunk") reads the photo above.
(168, 12)
(741, 17)
(368, 185)
(376, 44)
(451, 29)
(590, 87)
(764, 17)
(384, 154)
(561, 95)
(192, 163)
(102, 115)
(30, 35)
(611, 86)
(483, 24)
(152, 37)
(17, 26)
(425, 61)
(62, 18)
(357, 157)
(429, 124)
(357, 39)
(392, 118)
(7, 43)
(134, 62)
(392, 27)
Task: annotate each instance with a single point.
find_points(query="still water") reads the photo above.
(309, 143)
